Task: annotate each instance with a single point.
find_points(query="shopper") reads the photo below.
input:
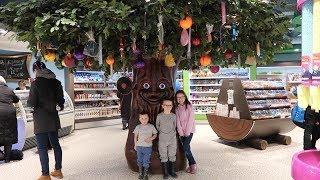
(186, 127)
(45, 94)
(125, 104)
(311, 129)
(22, 85)
(166, 126)
(8, 119)
(144, 134)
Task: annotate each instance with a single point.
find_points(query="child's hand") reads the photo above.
(148, 140)
(135, 147)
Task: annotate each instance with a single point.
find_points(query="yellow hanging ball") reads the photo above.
(169, 60)
(50, 55)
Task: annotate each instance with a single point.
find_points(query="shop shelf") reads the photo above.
(203, 104)
(207, 92)
(88, 82)
(203, 99)
(96, 108)
(265, 97)
(99, 116)
(270, 107)
(95, 89)
(205, 85)
(221, 77)
(101, 99)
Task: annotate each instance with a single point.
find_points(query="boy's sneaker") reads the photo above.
(57, 174)
(44, 177)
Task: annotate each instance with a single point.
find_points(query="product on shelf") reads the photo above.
(88, 76)
(94, 96)
(205, 87)
(262, 85)
(271, 113)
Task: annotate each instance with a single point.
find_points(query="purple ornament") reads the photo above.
(139, 63)
(78, 53)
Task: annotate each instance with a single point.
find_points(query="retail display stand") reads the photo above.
(204, 87)
(95, 98)
(252, 112)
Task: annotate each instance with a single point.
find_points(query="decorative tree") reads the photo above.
(64, 23)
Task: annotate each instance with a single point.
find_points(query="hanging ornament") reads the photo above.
(169, 60)
(139, 63)
(228, 54)
(258, 49)
(160, 31)
(110, 60)
(251, 60)
(121, 46)
(68, 60)
(78, 53)
(223, 13)
(189, 46)
(234, 32)
(91, 48)
(205, 60)
(186, 22)
(50, 55)
(88, 63)
(134, 45)
(184, 39)
(209, 31)
(214, 69)
(196, 40)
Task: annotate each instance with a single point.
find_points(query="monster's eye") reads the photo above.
(146, 85)
(162, 86)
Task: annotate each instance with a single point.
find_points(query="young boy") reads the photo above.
(166, 125)
(144, 134)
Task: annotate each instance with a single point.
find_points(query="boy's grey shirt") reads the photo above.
(144, 132)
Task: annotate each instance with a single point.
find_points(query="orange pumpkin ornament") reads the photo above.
(205, 60)
(186, 22)
(50, 55)
(110, 60)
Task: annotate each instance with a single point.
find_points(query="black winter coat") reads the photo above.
(8, 117)
(125, 105)
(45, 94)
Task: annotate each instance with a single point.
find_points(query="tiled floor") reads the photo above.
(98, 153)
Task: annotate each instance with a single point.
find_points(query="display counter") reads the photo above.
(252, 111)
(25, 120)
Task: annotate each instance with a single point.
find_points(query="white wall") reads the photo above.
(50, 65)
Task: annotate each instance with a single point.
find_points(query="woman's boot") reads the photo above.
(7, 153)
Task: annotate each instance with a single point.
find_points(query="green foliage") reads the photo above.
(65, 22)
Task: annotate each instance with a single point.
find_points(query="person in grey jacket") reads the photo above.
(166, 126)
(45, 94)
(8, 119)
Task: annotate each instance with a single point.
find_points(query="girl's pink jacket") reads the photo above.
(185, 120)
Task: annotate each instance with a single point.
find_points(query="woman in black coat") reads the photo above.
(8, 118)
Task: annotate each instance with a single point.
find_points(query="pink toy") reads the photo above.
(306, 165)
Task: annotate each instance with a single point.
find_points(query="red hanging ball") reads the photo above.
(196, 41)
(228, 54)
